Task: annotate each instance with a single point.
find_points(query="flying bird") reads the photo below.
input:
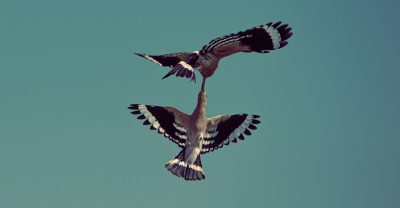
(195, 134)
(260, 39)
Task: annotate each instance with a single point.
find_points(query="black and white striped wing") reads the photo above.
(182, 64)
(261, 39)
(224, 129)
(185, 68)
(166, 120)
(169, 60)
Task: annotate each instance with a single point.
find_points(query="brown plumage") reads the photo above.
(260, 39)
(195, 134)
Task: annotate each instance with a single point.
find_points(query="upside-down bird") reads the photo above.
(260, 39)
(195, 134)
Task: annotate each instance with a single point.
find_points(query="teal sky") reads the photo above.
(329, 104)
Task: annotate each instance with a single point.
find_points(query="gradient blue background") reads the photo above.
(329, 103)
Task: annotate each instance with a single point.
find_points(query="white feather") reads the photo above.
(276, 37)
(179, 128)
(152, 119)
(153, 60)
(156, 124)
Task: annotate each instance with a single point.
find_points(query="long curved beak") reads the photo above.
(203, 84)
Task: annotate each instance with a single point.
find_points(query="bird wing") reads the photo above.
(169, 121)
(169, 60)
(182, 64)
(261, 39)
(223, 129)
(185, 68)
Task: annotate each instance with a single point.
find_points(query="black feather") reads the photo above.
(282, 27)
(183, 74)
(241, 137)
(247, 132)
(171, 72)
(133, 107)
(180, 71)
(283, 44)
(188, 74)
(141, 117)
(287, 35)
(135, 112)
(252, 127)
(276, 24)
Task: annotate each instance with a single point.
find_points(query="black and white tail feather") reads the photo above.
(260, 39)
(180, 168)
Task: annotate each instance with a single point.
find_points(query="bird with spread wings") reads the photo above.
(195, 134)
(260, 39)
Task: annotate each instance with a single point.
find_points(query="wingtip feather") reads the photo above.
(133, 106)
(139, 54)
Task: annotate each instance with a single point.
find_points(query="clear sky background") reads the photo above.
(329, 101)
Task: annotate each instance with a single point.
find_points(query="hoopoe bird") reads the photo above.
(260, 39)
(195, 134)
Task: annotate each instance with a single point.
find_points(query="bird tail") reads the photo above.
(265, 38)
(180, 168)
(184, 68)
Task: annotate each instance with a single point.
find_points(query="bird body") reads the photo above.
(196, 130)
(195, 134)
(260, 39)
(207, 64)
